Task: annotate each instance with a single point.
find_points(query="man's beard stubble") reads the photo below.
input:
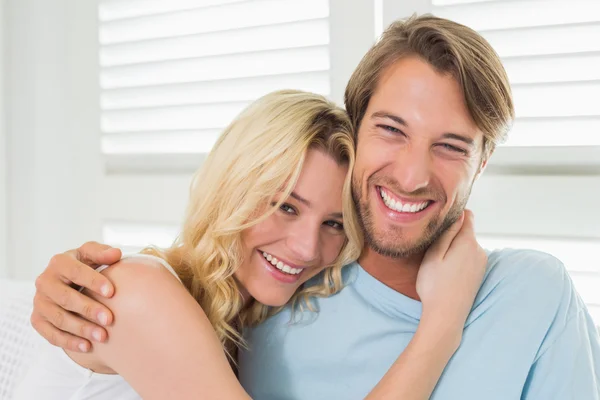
(435, 228)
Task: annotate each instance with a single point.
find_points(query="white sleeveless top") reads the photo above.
(54, 376)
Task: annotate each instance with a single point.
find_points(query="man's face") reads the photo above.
(418, 154)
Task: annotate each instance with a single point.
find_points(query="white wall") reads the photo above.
(52, 129)
(393, 9)
(352, 33)
(3, 162)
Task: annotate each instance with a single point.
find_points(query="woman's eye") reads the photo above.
(286, 208)
(335, 225)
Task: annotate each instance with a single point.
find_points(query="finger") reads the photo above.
(59, 338)
(70, 270)
(94, 254)
(72, 300)
(469, 223)
(70, 323)
(440, 247)
(466, 235)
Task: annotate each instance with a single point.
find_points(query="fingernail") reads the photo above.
(83, 347)
(103, 318)
(97, 335)
(104, 289)
(108, 251)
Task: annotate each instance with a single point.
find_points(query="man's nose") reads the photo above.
(413, 169)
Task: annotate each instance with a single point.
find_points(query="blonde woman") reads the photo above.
(269, 210)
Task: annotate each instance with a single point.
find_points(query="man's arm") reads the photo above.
(569, 366)
(161, 341)
(61, 314)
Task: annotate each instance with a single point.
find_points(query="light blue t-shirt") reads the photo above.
(529, 336)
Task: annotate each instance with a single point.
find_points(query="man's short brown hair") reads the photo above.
(450, 48)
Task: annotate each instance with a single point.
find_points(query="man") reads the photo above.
(429, 103)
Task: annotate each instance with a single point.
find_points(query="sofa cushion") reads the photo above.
(18, 340)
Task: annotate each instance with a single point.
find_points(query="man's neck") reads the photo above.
(399, 274)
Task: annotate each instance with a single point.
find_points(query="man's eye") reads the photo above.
(391, 129)
(454, 149)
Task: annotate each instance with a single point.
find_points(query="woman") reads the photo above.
(269, 210)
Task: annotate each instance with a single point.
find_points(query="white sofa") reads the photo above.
(18, 340)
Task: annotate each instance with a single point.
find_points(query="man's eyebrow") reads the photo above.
(384, 114)
(465, 139)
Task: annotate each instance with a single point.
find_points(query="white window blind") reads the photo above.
(541, 190)
(173, 74)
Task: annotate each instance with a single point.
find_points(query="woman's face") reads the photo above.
(300, 239)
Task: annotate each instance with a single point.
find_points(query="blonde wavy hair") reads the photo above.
(258, 156)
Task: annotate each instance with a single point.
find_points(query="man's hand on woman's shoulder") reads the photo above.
(63, 315)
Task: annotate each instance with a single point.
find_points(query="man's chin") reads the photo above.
(395, 246)
(393, 241)
(404, 251)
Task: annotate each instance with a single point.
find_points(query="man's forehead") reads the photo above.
(413, 92)
(414, 79)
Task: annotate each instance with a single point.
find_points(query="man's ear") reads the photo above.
(483, 164)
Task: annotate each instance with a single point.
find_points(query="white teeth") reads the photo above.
(398, 206)
(280, 265)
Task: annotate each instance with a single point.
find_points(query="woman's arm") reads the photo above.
(416, 372)
(449, 278)
(161, 341)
